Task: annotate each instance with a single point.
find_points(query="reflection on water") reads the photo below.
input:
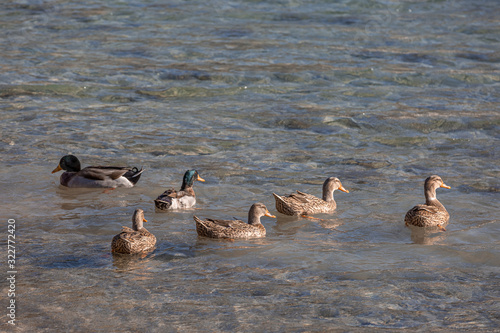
(259, 97)
(427, 235)
(138, 262)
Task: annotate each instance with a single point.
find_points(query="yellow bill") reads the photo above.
(57, 169)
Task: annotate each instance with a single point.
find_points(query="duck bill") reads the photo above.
(445, 186)
(144, 220)
(269, 214)
(343, 189)
(57, 169)
(198, 178)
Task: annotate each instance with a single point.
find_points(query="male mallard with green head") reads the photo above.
(304, 204)
(95, 176)
(235, 228)
(184, 198)
(135, 240)
(433, 213)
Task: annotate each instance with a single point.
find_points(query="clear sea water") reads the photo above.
(259, 97)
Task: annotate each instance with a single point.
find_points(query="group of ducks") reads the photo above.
(139, 240)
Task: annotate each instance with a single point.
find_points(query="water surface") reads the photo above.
(259, 97)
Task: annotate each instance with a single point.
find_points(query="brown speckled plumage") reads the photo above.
(136, 239)
(307, 204)
(235, 228)
(432, 213)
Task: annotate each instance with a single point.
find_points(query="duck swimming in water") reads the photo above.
(304, 204)
(182, 199)
(135, 240)
(95, 176)
(432, 213)
(233, 229)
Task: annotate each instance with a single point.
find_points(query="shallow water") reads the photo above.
(258, 97)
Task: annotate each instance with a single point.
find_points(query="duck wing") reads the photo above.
(129, 234)
(171, 193)
(302, 197)
(164, 200)
(102, 173)
(424, 209)
(227, 223)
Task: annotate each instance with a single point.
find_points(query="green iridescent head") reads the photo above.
(189, 177)
(68, 163)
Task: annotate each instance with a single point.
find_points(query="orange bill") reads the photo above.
(445, 186)
(144, 220)
(57, 169)
(343, 189)
(269, 214)
(200, 179)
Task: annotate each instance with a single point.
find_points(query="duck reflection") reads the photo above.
(426, 236)
(76, 198)
(331, 223)
(127, 262)
(288, 225)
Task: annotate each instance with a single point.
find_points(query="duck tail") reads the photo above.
(281, 205)
(164, 201)
(133, 175)
(201, 227)
(279, 200)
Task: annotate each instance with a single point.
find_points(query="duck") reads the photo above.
(182, 199)
(303, 204)
(95, 176)
(136, 239)
(432, 213)
(235, 229)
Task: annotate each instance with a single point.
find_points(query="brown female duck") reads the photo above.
(135, 240)
(304, 204)
(432, 213)
(235, 228)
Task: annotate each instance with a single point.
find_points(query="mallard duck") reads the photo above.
(433, 213)
(235, 228)
(304, 204)
(185, 198)
(95, 176)
(135, 240)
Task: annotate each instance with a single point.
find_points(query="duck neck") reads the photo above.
(187, 181)
(188, 189)
(66, 176)
(253, 218)
(185, 186)
(137, 224)
(430, 197)
(328, 196)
